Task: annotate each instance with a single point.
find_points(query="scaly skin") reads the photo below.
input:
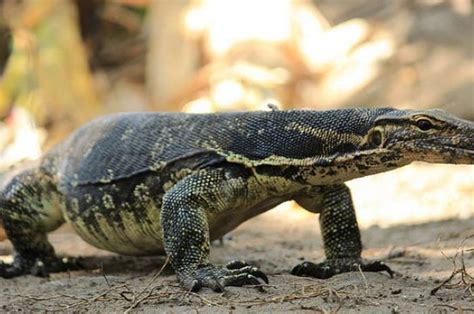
(149, 183)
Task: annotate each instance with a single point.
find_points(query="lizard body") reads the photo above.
(155, 183)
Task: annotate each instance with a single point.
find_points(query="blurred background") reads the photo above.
(63, 62)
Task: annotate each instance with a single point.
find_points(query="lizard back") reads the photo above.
(122, 145)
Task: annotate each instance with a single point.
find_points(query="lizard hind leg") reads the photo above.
(34, 255)
(341, 235)
(28, 210)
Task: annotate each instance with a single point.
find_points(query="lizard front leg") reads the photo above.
(184, 219)
(340, 233)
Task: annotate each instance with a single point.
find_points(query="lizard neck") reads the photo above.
(355, 165)
(333, 171)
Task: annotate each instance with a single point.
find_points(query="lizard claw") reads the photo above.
(219, 277)
(252, 271)
(333, 267)
(377, 266)
(244, 266)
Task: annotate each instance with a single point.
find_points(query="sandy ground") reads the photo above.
(421, 254)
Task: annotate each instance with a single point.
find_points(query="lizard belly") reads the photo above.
(124, 233)
(226, 221)
(122, 218)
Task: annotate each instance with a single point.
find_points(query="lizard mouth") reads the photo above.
(464, 153)
(452, 154)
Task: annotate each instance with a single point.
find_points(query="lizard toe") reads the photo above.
(332, 267)
(9, 270)
(253, 271)
(66, 264)
(219, 277)
(242, 279)
(377, 266)
(236, 264)
(42, 268)
(39, 269)
(20, 266)
(309, 269)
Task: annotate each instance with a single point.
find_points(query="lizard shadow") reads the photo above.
(118, 264)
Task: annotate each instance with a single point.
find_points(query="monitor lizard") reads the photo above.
(169, 183)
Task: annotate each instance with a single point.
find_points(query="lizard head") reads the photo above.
(429, 135)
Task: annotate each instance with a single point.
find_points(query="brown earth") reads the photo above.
(421, 254)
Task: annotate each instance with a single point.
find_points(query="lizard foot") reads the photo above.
(22, 266)
(332, 267)
(235, 273)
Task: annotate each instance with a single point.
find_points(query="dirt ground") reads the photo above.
(422, 255)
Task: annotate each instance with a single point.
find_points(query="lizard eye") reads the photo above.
(424, 124)
(375, 138)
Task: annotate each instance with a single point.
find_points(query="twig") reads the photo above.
(457, 308)
(205, 301)
(435, 289)
(105, 277)
(363, 276)
(93, 299)
(466, 278)
(137, 299)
